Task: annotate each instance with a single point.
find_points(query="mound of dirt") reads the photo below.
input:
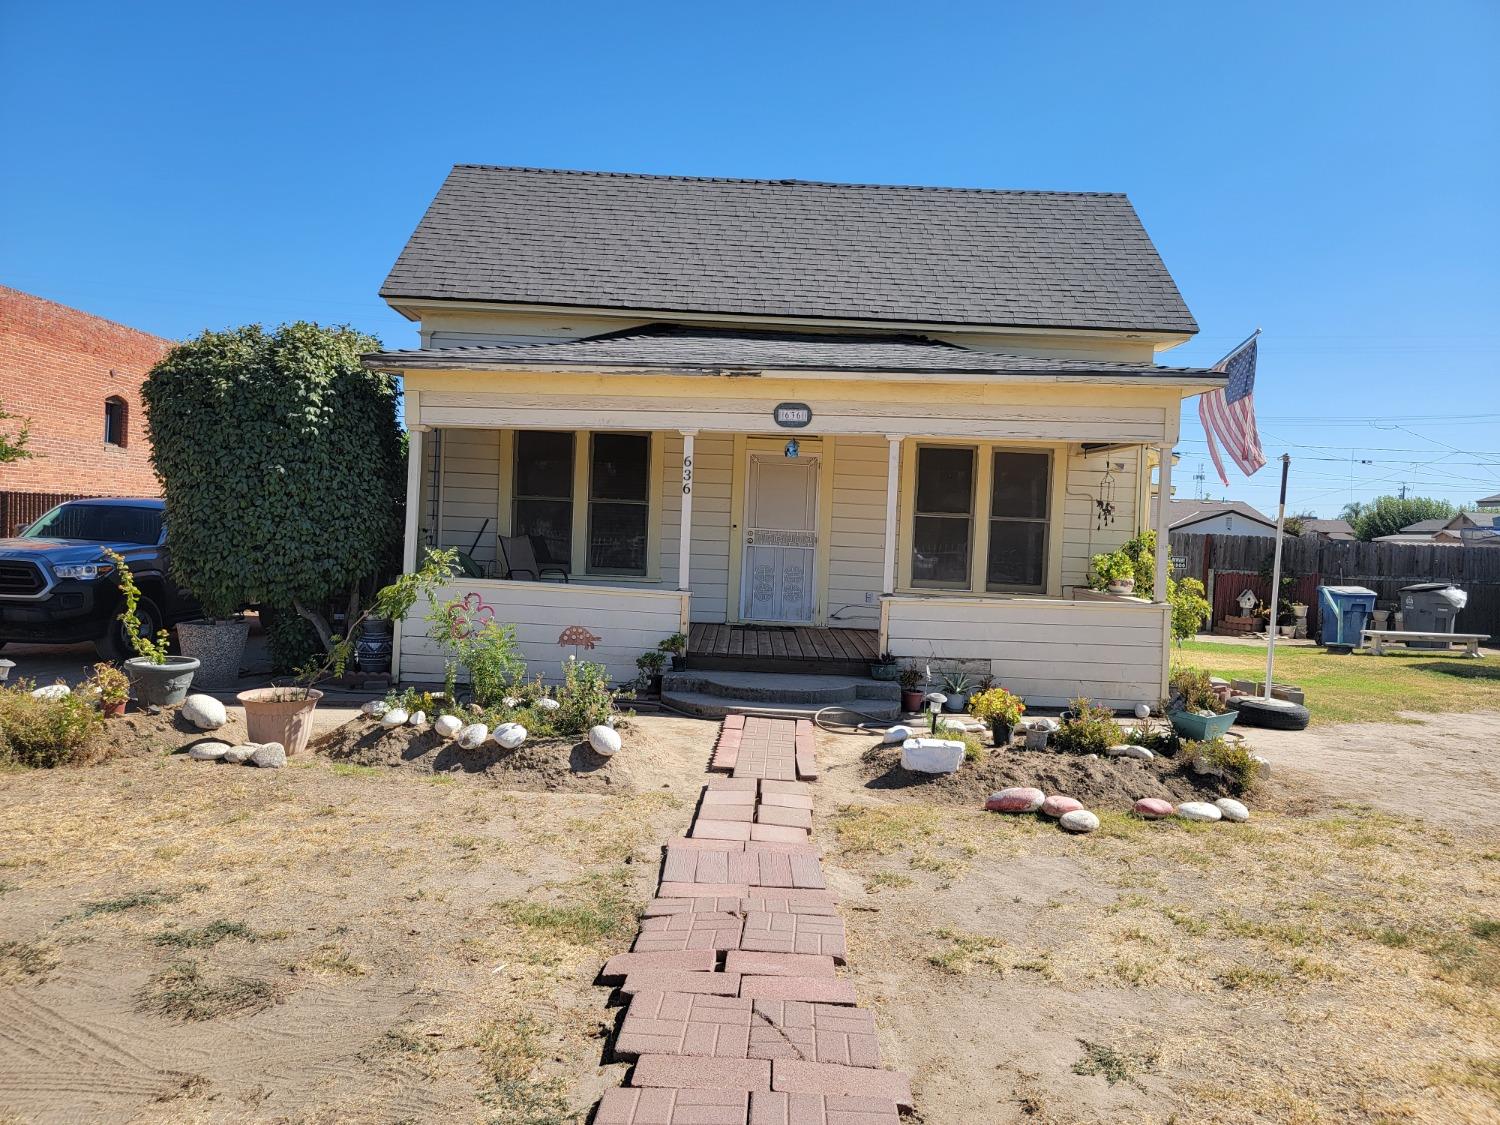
(542, 765)
(1100, 783)
(146, 734)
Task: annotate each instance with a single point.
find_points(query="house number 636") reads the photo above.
(687, 476)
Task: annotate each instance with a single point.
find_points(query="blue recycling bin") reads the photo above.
(1345, 611)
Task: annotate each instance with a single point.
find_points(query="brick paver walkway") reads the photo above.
(736, 1014)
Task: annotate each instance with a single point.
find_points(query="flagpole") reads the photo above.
(1286, 462)
(1234, 350)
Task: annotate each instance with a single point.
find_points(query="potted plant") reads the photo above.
(675, 646)
(113, 687)
(1195, 710)
(956, 689)
(650, 665)
(1001, 709)
(912, 681)
(283, 713)
(217, 642)
(156, 679)
(885, 668)
(1114, 572)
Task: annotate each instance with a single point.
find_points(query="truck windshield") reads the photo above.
(98, 523)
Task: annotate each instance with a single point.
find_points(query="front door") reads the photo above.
(777, 579)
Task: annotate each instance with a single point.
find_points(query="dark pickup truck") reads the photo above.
(57, 587)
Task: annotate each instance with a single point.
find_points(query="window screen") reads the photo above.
(1019, 495)
(943, 520)
(619, 503)
(544, 494)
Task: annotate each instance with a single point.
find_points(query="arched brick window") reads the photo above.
(116, 416)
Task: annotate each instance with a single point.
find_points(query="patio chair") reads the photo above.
(518, 559)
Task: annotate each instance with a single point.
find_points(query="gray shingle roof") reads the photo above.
(1185, 512)
(677, 348)
(789, 248)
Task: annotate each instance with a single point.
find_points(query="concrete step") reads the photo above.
(715, 693)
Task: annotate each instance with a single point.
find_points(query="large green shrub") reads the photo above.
(1387, 515)
(279, 456)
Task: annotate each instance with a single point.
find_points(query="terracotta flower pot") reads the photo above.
(113, 710)
(911, 700)
(281, 715)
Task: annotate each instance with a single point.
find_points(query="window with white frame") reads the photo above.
(981, 505)
(610, 476)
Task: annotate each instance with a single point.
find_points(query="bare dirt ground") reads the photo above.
(184, 941)
(337, 941)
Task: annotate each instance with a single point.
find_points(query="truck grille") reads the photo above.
(20, 578)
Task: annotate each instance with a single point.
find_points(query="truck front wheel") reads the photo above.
(115, 644)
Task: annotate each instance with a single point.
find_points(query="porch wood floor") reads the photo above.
(788, 648)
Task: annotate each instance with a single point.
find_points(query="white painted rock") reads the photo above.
(208, 751)
(1263, 764)
(1233, 810)
(899, 734)
(204, 712)
(1016, 799)
(1139, 753)
(1079, 820)
(509, 735)
(511, 701)
(448, 725)
(395, 717)
(1118, 750)
(269, 756)
(375, 708)
(52, 692)
(547, 703)
(931, 755)
(1199, 810)
(239, 755)
(472, 736)
(418, 719)
(1050, 725)
(1153, 808)
(1208, 769)
(1143, 710)
(605, 740)
(1058, 805)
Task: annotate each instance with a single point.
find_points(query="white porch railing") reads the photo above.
(1047, 650)
(624, 622)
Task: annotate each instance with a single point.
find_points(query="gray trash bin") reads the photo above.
(1431, 607)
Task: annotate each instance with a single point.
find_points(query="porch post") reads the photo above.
(413, 503)
(1163, 519)
(685, 528)
(892, 487)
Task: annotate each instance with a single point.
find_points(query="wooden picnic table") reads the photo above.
(1376, 640)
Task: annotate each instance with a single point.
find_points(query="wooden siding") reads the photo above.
(713, 476)
(1045, 650)
(857, 532)
(627, 621)
(1082, 538)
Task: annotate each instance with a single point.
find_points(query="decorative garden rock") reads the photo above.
(395, 717)
(508, 736)
(448, 725)
(1079, 820)
(1199, 810)
(204, 712)
(1058, 805)
(1016, 799)
(898, 734)
(418, 719)
(52, 692)
(269, 756)
(931, 755)
(239, 755)
(1139, 753)
(1263, 764)
(605, 740)
(208, 751)
(511, 701)
(472, 736)
(1143, 710)
(1118, 750)
(1154, 808)
(547, 703)
(375, 708)
(1232, 810)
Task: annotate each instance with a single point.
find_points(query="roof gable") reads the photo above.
(789, 248)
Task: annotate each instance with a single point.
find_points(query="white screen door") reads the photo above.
(781, 539)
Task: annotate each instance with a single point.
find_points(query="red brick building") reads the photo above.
(77, 377)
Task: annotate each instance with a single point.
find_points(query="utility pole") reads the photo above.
(1198, 478)
(1403, 490)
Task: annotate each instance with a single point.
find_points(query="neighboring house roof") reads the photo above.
(1187, 512)
(1422, 527)
(1331, 529)
(1474, 519)
(789, 248)
(1439, 538)
(1490, 501)
(666, 347)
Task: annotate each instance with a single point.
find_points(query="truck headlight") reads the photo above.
(86, 571)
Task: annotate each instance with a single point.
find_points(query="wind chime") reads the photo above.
(1104, 506)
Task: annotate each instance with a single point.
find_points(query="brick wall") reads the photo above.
(57, 367)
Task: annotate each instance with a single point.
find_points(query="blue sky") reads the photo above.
(1326, 172)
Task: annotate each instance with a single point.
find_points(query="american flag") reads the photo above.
(1229, 412)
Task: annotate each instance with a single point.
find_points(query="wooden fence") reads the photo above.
(1227, 564)
(18, 509)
